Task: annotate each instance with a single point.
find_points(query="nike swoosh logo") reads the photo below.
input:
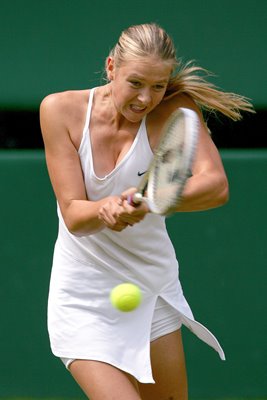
(141, 173)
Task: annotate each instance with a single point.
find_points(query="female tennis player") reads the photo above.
(98, 144)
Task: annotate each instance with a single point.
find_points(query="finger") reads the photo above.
(142, 208)
(105, 216)
(128, 192)
(118, 227)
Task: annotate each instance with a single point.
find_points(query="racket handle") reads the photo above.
(135, 199)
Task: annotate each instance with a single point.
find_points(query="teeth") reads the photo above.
(136, 108)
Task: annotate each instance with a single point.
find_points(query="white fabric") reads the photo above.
(165, 320)
(81, 321)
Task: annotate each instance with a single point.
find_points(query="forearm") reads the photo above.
(203, 192)
(81, 217)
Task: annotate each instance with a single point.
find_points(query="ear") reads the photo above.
(110, 68)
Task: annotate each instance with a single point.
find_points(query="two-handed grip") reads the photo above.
(135, 199)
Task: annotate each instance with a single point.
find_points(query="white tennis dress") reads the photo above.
(81, 320)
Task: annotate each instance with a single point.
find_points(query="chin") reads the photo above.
(137, 119)
(136, 116)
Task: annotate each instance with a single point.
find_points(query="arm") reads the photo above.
(208, 187)
(81, 216)
(79, 213)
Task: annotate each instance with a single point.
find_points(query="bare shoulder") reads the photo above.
(170, 104)
(68, 103)
(161, 113)
(62, 113)
(158, 117)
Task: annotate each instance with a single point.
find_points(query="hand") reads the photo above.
(117, 214)
(133, 214)
(110, 213)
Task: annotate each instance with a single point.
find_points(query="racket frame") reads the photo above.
(145, 185)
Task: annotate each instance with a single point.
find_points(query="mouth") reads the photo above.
(137, 109)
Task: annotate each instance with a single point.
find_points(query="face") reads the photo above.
(138, 86)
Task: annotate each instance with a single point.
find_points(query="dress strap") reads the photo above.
(89, 109)
(87, 119)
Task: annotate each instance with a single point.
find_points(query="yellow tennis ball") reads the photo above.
(126, 297)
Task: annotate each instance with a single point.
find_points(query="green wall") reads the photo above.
(54, 45)
(222, 256)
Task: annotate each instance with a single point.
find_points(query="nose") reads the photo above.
(144, 96)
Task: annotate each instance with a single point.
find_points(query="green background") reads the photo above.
(54, 45)
(222, 256)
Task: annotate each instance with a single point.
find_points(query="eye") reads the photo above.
(159, 87)
(135, 84)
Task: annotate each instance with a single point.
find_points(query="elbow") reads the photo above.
(73, 227)
(72, 224)
(222, 197)
(78, 221)
(76, 232)
(76, 229)
(79, 229)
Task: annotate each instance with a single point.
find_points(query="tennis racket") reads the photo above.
(162, 185)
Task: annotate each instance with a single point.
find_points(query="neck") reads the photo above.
(105, 106)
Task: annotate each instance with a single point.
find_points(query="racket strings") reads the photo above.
(171, 167)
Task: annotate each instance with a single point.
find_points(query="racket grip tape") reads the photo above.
(135, 199)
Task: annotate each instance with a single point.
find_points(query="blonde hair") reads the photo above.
(150, 40)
